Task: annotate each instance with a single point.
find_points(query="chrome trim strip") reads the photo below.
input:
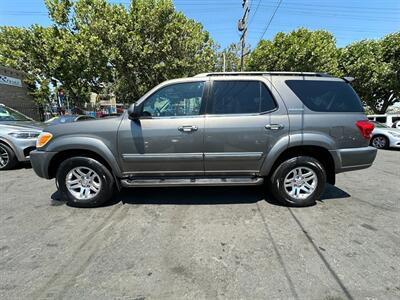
(233, 155)
(150, 182)
(162, 156)
(234, 172)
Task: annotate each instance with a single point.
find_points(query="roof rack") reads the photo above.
(261, 73)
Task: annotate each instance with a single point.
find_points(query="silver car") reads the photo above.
(384, 137)
(18, 135)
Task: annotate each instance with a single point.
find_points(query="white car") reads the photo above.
(384, 137)
(391, 120)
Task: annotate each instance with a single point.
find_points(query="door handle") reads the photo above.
(274, 126)
(189, 128)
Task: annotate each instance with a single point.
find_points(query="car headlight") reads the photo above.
(43, 139)
(24, 134)
(395, 134)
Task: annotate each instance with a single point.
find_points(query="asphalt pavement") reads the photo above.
(203, 243)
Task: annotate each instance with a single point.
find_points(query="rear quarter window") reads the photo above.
(326, 96)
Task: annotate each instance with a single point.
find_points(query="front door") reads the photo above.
(240, 126)
(168, 138)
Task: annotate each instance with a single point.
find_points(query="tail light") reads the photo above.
(366, 128)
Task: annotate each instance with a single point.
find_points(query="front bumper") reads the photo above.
(353, 158)
(394, 142)
(40, 161)
(22, 147)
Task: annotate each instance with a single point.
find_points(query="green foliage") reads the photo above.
(94, 45)
(59, 10)
(375, 64)
(300, 50)
(232, 58)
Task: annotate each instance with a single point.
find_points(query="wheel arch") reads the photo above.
(7, 143)
(86, 147)
(320, 153)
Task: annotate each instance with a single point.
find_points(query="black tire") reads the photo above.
(276, 182)
(106, 178)
(9, 156)
(380, 142)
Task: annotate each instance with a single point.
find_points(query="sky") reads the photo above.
(348, 20)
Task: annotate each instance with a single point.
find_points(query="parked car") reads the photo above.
(384, 137)
(68, 119)
(294, 131)
(387, 119)
(396, 124)
(18, 135)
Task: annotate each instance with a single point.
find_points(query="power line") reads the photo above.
(270, 19)
(252, 17)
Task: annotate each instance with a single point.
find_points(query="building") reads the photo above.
(14, 92)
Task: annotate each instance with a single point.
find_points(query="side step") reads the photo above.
(199, 181)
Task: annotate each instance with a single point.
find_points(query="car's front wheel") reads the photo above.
(298, 181)
(8, 160)
(84, 182)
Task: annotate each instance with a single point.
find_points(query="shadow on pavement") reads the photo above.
(199, 196)
(23, 165)
(192, 195)
(333, 192)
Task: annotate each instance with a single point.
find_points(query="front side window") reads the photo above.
(181, 99)
(240, 97)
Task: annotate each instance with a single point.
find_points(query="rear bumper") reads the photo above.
(353, 158)
(40, 161)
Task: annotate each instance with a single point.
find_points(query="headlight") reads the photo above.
(395, 134)
(24, 134)
(43, 139)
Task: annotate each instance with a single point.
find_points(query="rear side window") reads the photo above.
(240, 97)
(326, 96)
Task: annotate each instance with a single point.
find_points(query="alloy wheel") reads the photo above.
(300, 182)
(4, 158)
(83, 183)
(379, 142)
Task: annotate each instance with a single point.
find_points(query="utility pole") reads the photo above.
(242, 27)
(224, 65)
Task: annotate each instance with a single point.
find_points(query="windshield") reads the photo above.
(380, 125)
(8, 114)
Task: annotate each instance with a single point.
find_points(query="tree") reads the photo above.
(93, 44)
(299, 50)
(375, 65)
(232, 58)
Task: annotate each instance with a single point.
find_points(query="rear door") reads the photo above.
(242, 123)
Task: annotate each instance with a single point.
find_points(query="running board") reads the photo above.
(203, 181)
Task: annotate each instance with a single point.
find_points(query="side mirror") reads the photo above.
(133, 112)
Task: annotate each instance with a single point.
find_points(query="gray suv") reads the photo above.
(292, 131)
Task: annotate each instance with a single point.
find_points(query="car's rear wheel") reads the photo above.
(380, 142)
(8, 160)
(298, 181)
(84, 182)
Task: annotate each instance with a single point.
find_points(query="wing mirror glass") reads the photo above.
(133, 112)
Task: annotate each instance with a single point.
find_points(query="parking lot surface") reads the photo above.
(203, 243)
